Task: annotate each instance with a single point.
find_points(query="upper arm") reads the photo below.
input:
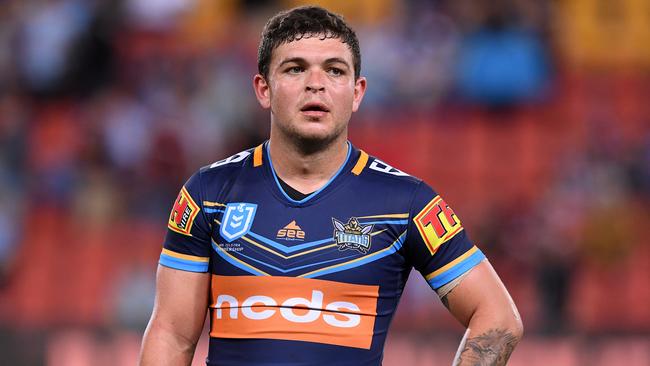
(437, 244)
(441, 250)
(482, 295)
(182, 282)
(177, 319)
(181, 302)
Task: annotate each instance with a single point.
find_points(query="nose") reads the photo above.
(315, 82)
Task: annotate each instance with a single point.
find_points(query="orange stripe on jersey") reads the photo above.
(361, 163)
(291, 308)
(257, 156)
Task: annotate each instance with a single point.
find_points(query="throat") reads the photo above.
(293, 193)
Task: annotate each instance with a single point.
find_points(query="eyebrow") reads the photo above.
(300, 60)
(334, 60)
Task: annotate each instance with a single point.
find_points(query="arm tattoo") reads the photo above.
(492, 348)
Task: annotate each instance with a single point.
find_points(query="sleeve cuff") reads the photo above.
(455, 268)
(183, 262)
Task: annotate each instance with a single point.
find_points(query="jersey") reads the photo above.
(311, 281)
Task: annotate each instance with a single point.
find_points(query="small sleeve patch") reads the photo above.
(183, 213)
(437, 223)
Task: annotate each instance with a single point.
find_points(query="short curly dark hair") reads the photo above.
(305, 22)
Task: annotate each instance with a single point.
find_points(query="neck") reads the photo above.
(307, 169)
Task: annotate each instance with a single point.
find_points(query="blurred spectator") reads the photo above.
(127, 130)
(133, 295)
(49, 31)
(159, 15)
(105, 106)
(501, 62)
(13, 120)
(639, 174)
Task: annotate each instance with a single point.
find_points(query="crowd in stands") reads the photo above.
(538, 135)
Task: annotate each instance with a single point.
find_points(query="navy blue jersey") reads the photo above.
(316, 280)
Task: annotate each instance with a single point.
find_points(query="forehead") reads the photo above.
(313, 49)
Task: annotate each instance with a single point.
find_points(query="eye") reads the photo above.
(295, 70)
(335, 71)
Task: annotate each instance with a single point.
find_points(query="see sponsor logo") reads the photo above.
(183, 213)
(291, 231)
(293, 308)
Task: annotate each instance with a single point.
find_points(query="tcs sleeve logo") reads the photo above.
(183, 213)
(437, 223)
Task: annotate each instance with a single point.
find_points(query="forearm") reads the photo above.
(162, 347)
(482, 304)
(487, 342)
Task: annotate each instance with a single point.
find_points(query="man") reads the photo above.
(301, 247)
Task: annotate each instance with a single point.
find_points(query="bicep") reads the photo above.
(481, 293)
(181, 301)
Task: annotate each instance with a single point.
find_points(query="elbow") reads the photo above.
(508, 323)
(516, 328)
(511, 321)
(514, 325)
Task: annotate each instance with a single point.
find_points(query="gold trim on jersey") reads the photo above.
(264, 247)
(451, 264)
(187, 257)
(238, 260)
(361, 163)
(365, 257)
(257, 156)
(387, 216)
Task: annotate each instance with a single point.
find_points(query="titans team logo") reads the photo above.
(237, 220)
(352, 235)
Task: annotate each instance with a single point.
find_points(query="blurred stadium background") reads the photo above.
(532, 117)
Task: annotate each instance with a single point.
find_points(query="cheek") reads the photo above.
(345, 100)
(277, 103)
(282, 96)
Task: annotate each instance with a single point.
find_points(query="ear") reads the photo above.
(262, 91)
(359, 91)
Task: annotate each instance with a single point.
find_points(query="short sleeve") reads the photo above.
(437, 243)
(187, 242)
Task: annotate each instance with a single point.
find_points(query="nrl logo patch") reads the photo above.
(237, 220)
(352, 235)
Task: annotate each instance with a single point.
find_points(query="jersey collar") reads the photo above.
(340, 173)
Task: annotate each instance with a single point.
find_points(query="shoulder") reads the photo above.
(225, 168)
(233, 162)
(212, 177)
(397, 187)
(379, 171)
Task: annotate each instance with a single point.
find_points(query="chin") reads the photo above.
(311, 136)
(314, 140)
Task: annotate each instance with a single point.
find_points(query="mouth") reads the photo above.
(314, 109)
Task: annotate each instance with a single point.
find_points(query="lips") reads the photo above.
(314, 107)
